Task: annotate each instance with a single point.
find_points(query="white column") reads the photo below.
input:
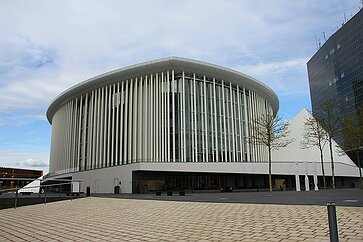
(118, 101)
(162, 118)
(239, 110)
(192, 116)
(140, 119)
(215, 120)
(97, 140)
(307, 185)
(254, 102)
(297, 177)
(224, 120)
(221, 123)
(146, 121)
(85, 114)
(157, 120)
(66, 139)
(184, 120)
(228, 130)
(92, 129)
(76, 134)
(233, 129)
(72, 134)
(152, 118)
(246, 125)
(134, 123)
(212, 120)
(126, 128)
(173, 114)
(130, 123)
(79, 133)
(122, 98)
(168, 115)
(149, 115)
(195, 121)
(252, 128)
(103, 127)
(106, 123)
(316, 188)
(113, 124)
(202, 119)
(205, 120)
(108, 108)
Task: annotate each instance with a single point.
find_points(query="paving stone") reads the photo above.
(106, 219)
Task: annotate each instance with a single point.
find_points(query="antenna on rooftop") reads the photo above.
(324, 36)
(316, 42)
(345, 19)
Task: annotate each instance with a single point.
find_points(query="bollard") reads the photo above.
(16, 198)
(88, 191)
(333, 227)
(45, 195)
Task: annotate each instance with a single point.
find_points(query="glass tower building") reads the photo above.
(336, 70)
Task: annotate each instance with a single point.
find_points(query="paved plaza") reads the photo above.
(341, 197)
(109, 219)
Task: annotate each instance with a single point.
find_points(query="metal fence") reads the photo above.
(44, 190)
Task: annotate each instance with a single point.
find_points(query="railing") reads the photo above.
(41, 188)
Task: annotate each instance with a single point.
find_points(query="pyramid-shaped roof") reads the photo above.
(295, 152)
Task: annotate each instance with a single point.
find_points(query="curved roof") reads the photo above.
(155, 66)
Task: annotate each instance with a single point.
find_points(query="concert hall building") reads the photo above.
(167, 124)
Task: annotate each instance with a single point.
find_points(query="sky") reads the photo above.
(49, 46)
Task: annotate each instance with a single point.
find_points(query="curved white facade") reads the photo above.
(168, 110)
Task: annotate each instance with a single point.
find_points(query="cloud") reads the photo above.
(16, 119)
(33, 133)
(75, 40)
(35, 163)
(49, 46)
(9, 121)
(40, 117)
(23, 159)
(268, 68)
(288, 78)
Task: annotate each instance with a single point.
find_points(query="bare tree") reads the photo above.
(270, 131)
(327, 115)
(353, 137)
(315, 136)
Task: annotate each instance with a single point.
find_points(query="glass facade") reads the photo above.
(149, 182)
(336, 70)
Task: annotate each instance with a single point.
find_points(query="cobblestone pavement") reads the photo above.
(108, 219)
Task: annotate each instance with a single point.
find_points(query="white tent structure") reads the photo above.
(32, 187)
(307, 161)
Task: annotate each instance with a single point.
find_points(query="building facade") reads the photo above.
(336, 71)
(172, 123)
(17, 177)
(167, 112)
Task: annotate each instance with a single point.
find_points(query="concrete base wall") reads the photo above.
(105, 179)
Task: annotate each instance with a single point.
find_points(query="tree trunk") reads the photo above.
(360, 170)
(332, 162)
(322, 167)
(269, 169)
